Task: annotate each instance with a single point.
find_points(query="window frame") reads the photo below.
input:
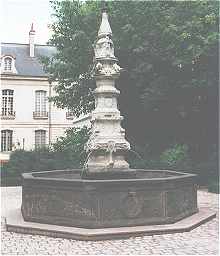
(7, 105)
(40, 103)
(7, 64)
(6, 140)
(4, 68)
(40, 138)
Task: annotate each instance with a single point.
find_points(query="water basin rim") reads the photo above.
(31, 176)
(122, 170)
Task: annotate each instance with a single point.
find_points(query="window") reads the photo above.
(40, 138)
(40, 104)
(7, 64)
(7, 102)
(6, 140)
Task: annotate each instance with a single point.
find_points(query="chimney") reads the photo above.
(31, 40)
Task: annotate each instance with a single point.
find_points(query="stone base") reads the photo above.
(63, 198)
(16, 223)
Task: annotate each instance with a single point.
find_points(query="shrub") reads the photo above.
(176, 157)
(71, 147)
(26, 161)
(67, 152)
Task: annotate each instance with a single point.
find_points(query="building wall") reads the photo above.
(24, 125)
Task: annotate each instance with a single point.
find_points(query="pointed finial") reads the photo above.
(32, 28)
(105, 29)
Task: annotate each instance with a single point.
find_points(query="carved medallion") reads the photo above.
(132, 205)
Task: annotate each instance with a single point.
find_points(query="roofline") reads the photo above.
(25, 77)
(28, 44)
(22, 77)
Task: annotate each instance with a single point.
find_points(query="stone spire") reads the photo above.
(107, 143)
(105, 29)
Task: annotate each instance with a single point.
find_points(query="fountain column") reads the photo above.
(107, 144)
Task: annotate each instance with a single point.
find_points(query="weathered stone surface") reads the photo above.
(107, 144)
(140, 200)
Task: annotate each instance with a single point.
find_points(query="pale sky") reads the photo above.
(17, 16)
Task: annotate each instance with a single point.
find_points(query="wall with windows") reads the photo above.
(26, 111)
(24, 99)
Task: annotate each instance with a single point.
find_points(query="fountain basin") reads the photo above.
(146, 197)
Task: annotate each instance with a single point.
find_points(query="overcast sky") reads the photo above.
(17, 16)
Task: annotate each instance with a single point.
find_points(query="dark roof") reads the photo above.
(24, 64)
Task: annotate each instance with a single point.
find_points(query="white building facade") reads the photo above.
(28, 119)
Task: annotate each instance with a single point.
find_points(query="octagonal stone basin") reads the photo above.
(145, 197)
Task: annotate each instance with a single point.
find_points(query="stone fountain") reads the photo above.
(107, 143)
(107, 199)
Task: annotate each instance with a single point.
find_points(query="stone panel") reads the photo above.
(181, 200)
(52, 204)
(107, 203)
(154, 205)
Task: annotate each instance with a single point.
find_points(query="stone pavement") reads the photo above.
(200, 241)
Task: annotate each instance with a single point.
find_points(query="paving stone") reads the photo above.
(200, 241)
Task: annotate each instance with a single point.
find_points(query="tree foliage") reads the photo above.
(66, 153)
(71, 146)
(169, 50)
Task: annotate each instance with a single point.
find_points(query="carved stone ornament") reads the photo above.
(106, 120)
(98, 66)
(104, 48)
(93, 145)
(117, 68)
(132, 205)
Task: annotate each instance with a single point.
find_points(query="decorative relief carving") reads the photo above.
(106, 117)
(108, 206)
(111, 148)
(107, 70)
(117, 68)
(132, 205)
(122, 131)
(94, 145)
(48, 204)
(98, 66)
(104, 47)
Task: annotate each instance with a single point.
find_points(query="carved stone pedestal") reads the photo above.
(107, 144)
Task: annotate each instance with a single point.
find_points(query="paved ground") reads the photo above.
(200, 241)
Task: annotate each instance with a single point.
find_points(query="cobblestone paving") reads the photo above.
(200, 241)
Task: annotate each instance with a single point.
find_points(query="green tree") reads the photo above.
(169, 50)
(70, 147)
(67, 152)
